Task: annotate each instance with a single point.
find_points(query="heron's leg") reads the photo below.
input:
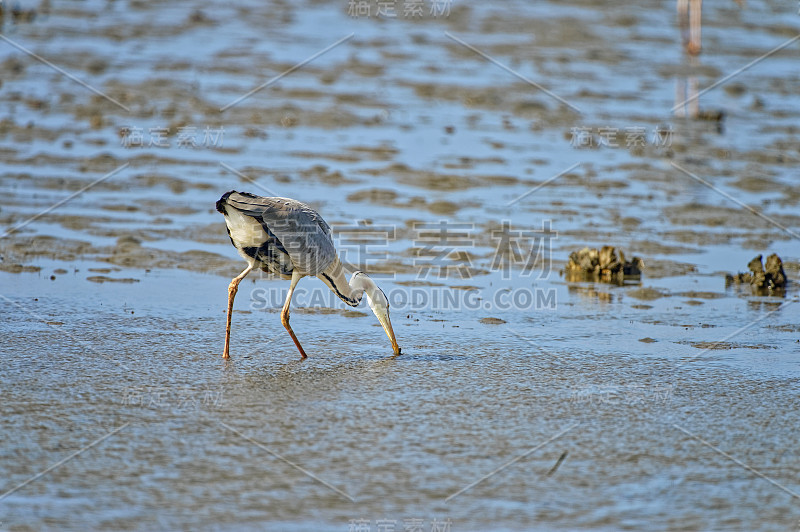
(683, 22)
(285, 312)
(232, 288)
(695, 24)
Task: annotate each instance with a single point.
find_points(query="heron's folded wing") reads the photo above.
(305, 236)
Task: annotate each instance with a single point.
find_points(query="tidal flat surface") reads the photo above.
(460, 155)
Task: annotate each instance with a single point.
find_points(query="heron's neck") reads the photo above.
(351, 292)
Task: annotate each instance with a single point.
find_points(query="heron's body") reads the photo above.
(288, 238)
(270, 256)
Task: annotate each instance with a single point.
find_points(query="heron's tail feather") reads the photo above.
(222, 200)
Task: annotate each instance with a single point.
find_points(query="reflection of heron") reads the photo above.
(289, 238)
(687, 96)
(687, 102)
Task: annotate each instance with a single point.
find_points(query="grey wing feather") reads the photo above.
(305, 236)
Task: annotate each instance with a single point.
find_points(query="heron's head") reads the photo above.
(380, 307)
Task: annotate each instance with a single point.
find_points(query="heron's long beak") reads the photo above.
(387, 326)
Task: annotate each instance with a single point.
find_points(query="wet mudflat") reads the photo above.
(521, 401)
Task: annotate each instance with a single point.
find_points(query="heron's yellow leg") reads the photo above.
(232, 288)
(285, 313)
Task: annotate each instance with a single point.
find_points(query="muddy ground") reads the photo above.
(525, 132)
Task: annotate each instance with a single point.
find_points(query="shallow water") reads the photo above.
(521, 401)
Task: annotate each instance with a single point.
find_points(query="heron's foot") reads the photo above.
(303, 354)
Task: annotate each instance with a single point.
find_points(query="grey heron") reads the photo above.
(690, 22)
(689, 13)
(289, 238)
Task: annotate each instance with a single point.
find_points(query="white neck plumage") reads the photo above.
(361, 284)
(350, 292)
(353, 292)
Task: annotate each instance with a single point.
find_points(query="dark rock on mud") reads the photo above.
(603, 265)
(761, 278)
